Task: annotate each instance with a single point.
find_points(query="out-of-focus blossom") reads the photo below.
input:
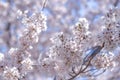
(27, 64)
(11, 74)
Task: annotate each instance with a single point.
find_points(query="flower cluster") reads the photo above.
(80, 29)
(18, 62)
(111, 32)
(35, 24)
(82, 35)
(104, 60)
(27, 64)
(11, 74)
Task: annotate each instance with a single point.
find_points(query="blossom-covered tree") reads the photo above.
(59, 39)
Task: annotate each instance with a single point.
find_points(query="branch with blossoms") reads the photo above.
(17, 63)
(84, 53)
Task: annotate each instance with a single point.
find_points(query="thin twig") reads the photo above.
(54, 78)
(89, 70)
(89, 59)
(8, 26)
(81, 70)
(116, 3)
(44, 5)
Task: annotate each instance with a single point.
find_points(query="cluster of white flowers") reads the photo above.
(27, 64)
(104, 60)
(13, 52)
(17, 62)
(111, 32)
(80, 30)
(35, 24)
(11, 74)
(36, 20)
(82, 35)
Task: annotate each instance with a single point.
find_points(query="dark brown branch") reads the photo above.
(116, 3)
(80, 71)
(8, 26)
(88, 62)
(44, 4)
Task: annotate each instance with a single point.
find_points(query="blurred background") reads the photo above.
(61, 15)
